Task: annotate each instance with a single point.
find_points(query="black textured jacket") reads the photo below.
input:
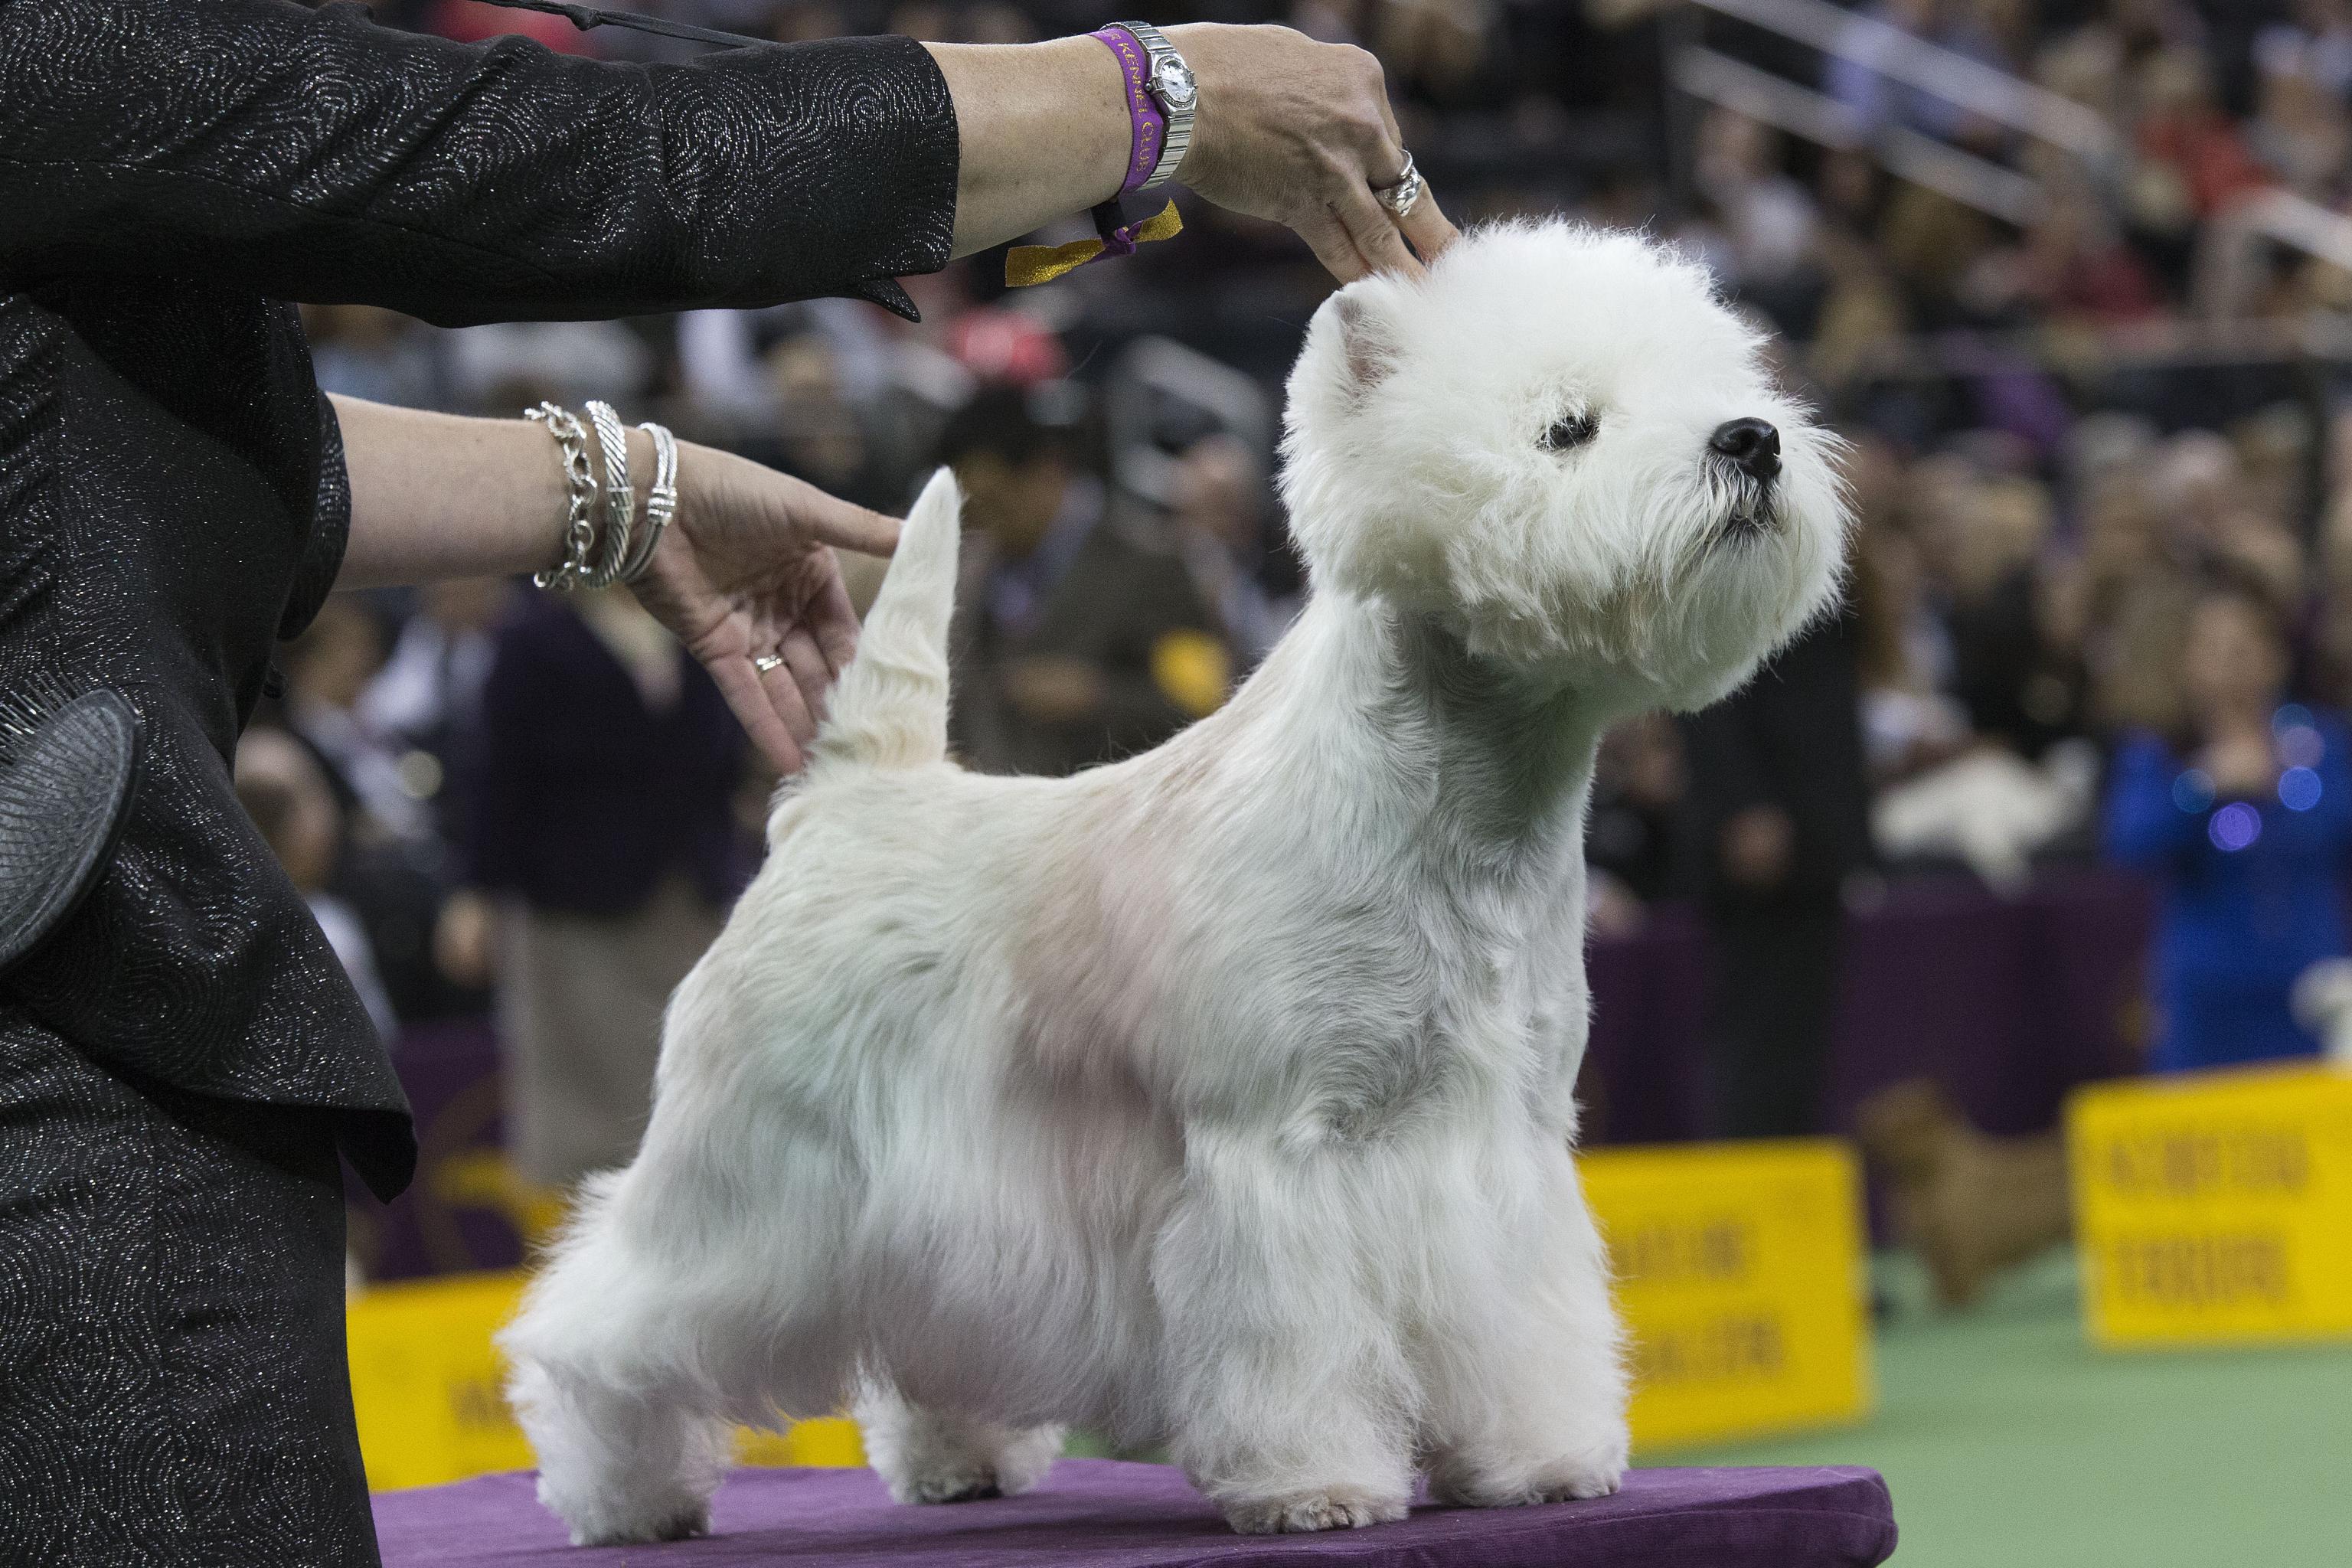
(172, 493)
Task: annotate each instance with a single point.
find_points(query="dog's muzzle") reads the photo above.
(1751, 449)
(1751, 445)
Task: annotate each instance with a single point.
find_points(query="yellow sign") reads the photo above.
(429, 1389)
(1740, 1275)
(2215, 1207)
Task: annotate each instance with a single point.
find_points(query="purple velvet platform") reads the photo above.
(1098, 1514)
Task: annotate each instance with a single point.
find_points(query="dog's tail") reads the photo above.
(890, 710)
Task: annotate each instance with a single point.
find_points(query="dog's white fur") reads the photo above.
(1220, 1098)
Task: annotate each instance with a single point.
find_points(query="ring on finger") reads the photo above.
(767, 661)
(1401, 195)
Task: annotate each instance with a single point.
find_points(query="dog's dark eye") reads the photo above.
(1574, 430)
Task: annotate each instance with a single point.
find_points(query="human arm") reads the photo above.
(1287, 129)
(747, 568)
(308, 155)
(259, 146)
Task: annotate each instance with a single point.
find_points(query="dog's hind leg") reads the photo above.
(629, 1440)
(636, 1350)
(1524, 1377)
(621, 1464)
(936, 1455)
(1290, 1395)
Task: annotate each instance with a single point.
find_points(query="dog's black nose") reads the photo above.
(1752, 443)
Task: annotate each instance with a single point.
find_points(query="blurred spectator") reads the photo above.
(393, 868)
(1778, 822)
(1220, 498)
(604, 831)
(328, 669)
(427, 698)
(1631, 846)
(283, 789)
(2245, 817)
(1768, 218)
(1079, 637)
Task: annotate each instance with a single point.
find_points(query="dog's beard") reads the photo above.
(1751, 508)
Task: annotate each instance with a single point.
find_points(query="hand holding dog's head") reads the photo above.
(1564, 447)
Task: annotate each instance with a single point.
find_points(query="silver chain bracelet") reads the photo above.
(620, 495)
(580, 518)
(661, 502)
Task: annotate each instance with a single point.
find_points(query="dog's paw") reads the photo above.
(1576, 1483)
(681, 1526)
(958, 1485)
(1331, 1508)
(967, 1475)
(1561, 1480)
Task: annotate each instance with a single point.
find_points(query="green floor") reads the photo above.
(2010, 1443)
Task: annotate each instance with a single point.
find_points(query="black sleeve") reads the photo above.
(317, 157)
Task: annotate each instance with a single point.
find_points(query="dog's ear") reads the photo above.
(1366, 341)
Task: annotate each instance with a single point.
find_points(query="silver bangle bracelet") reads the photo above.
(661, 502)
(580, 515)
(620, 496)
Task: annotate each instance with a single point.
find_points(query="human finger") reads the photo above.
(1329, 238)
(783, 686)
(748, 697)
(1427, 225)
(807, 664)
(832, 620)
(1373, 229)
(832, 520)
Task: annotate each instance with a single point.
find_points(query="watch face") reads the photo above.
(1172, 84)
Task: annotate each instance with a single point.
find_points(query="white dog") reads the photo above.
(1220, 1098)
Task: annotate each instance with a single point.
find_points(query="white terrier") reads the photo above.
(1220, 1098)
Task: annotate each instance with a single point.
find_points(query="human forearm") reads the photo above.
(1287, 128)
(1043, 133)
(438, 495)
(744, 575)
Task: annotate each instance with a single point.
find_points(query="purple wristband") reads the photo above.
(1149, 127)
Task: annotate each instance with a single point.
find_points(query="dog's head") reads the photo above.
(1564, 447)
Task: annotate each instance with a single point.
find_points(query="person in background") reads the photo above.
(282, 787)
(1779, 820)
(1630, 849)
(2244, 821)
(604, 834)
(426, 699)
(1078, 636)
(1218, 522)
(328, 670)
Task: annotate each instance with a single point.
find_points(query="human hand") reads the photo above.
(1302, 133)
(745, 572)
(1051, 690)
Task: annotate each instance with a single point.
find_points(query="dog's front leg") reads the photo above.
(1525, 1384)
(940, 1456)
(1288, 1388)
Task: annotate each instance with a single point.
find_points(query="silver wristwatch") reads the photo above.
(1171, 87)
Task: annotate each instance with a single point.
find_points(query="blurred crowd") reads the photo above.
(2101, 586)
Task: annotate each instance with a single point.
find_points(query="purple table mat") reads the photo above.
(1102, 1513)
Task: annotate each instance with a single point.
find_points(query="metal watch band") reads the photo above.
(1179, 116)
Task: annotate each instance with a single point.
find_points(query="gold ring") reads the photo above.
(767, 661)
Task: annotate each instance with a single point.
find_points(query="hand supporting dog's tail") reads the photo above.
(890, 710)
